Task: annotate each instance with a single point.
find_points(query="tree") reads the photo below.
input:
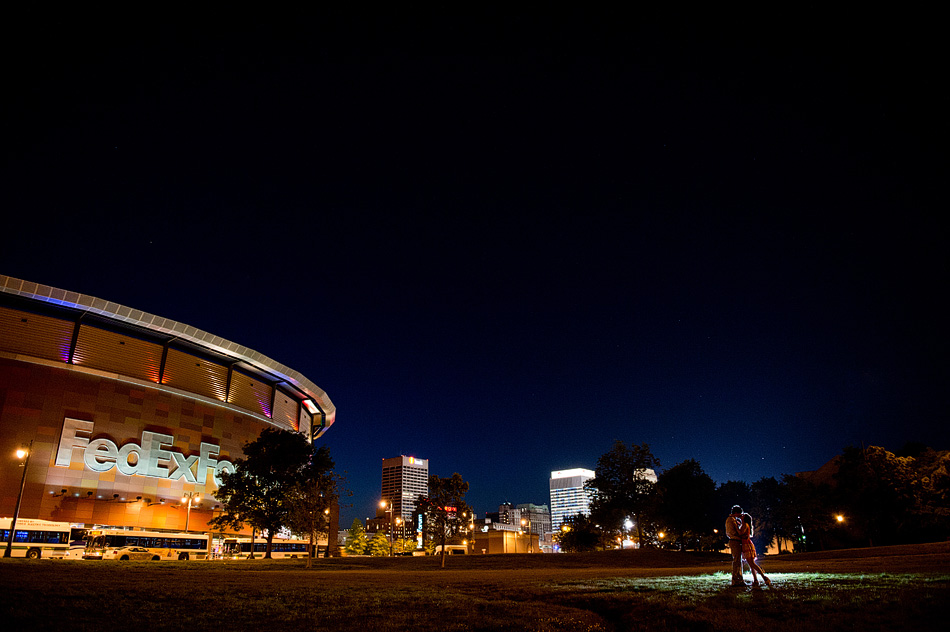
(578, 534)
(356, 542)
(378, 545)
(405, 545)
(881, 492)
(443, 508)
(805, 512)
(933, 473)
(687, 497)
(260, 491)
(732, 493)
(868, 496)
(313, 496)
(766, 498)
(621, 486)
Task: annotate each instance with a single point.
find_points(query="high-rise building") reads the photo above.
(506, 514)
(536, 518)
(526, 517)
(405, 480)
(568, 496)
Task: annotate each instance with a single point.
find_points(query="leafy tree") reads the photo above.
(881, 491)
(313, 496)
(378, 545)
(687, 498)
(442, 509)
(259, 492)
(805, 514)
(933, 473)
(621, 486)
(732, 493)
(356, 542)
(766, 498)
(405, 545)
(578, 534)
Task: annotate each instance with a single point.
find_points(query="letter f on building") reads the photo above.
(70, 439)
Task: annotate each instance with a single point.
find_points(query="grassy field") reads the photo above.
(887, 588)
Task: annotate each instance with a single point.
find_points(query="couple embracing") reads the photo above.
(739, 531)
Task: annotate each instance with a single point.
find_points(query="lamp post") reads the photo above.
(190, 498)
(22, 452)
(389, 509)
(527, 521)
(471, 526)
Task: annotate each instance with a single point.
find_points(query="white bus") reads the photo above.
(36, 538)
(451, 549)
(118, 544)
(240, 548)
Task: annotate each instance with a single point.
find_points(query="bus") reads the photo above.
(106, 544)
(240, 548)
(36, 538)
(451, 549)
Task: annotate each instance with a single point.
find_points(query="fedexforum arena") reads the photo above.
(126, 413)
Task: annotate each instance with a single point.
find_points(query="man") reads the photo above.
(733, 523)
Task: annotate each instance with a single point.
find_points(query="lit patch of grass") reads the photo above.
(796, 601)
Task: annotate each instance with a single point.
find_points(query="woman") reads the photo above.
(748, 550)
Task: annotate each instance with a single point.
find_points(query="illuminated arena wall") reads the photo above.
(127, 411)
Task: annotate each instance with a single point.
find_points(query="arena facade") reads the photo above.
(127, 412)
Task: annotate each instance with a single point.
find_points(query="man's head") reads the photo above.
(736, 509)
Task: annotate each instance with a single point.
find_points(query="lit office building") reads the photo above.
(405, 480)
(568, 496)
(535, 518)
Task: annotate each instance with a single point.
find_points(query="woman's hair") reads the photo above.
(747, 519)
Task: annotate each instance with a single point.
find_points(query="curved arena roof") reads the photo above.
(89, 312)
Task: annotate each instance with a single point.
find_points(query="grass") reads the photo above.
(654, 590)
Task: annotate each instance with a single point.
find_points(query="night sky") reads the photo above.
(503, 242)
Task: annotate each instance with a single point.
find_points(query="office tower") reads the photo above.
(568, 496)
(405, 479)
(536, 518)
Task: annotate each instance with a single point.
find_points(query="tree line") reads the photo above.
(864, 497)
(445, 517)
(283, 482)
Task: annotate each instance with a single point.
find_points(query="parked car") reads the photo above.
(129, 553)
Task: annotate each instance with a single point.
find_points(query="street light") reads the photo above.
(471, 525)
(389, 509)
(527, 521)
(20, 454)
(190, 498)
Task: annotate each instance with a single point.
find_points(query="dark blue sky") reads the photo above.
(502, 243)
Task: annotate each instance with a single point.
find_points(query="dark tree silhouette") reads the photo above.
(259, 492)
